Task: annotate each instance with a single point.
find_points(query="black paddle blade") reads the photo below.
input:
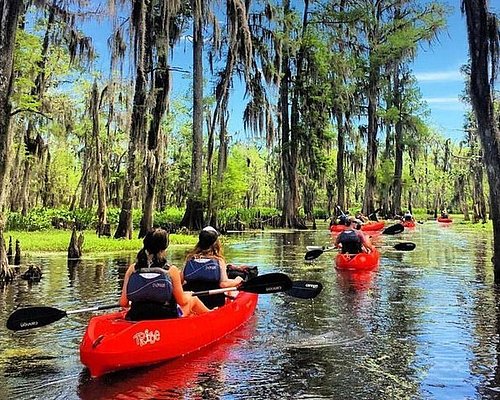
(312, 254)
(33, 317)
(268, 283)
(393, 229)
(405, 246)
(305, 289)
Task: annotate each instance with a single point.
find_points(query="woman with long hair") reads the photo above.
(205, 267)
(153, 288)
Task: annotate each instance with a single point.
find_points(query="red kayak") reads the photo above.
(445, 220)
(337, 228)
(373, 226)
(360, 261)
(370, 226)
(112, 343)
(409, 224)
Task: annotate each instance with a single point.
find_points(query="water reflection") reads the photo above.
(201, 375)
(424, 325)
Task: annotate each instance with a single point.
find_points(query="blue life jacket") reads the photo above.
(351, 242)
(150, 285)
(202, 269)
(204, 274)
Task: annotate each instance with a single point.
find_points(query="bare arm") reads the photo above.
(365, 241)
(123, 298)
(225, 282)
(181, 297)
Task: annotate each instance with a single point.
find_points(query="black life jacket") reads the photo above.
(351, 242)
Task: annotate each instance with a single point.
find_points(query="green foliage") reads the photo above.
(55, 240)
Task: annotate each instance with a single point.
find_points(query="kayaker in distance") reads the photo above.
(444, 214)
(352, 240)
(205, 268)
(408, 216)
(364, 219)
(152, 287)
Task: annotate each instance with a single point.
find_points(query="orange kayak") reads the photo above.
(360, 261)
(373, 226)
(370, 226)
(409, 224)
(444, 220)
(112, 343)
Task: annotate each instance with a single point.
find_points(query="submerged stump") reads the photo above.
(75, 245)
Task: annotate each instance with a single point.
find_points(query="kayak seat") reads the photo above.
(211, 301)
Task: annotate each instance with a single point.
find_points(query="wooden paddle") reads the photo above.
(36, 317)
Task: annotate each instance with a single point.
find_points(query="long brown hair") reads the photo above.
(214, 251)
(155, 241)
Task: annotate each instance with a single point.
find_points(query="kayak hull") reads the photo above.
(373, 226)
(370, 226)
(409, 224)
(111, 343)
(445, 220)
(358, 262)
(337, 228)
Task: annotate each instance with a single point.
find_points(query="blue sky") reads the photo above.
(436, 67)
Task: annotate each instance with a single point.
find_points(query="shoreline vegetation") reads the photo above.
(57, 240)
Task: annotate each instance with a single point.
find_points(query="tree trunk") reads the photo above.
(289, 139)
(137, 128)
(9, 15)
(397, 185)
(155, 147)
(193, 216)
(371, 148)
(340, 160)
(102, 211)
(479, 27)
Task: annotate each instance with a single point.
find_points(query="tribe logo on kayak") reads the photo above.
(146, 337)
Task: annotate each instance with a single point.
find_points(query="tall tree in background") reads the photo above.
(9, 16)
(165, 35)
(484, 41)
(193, 216)
(142, 25)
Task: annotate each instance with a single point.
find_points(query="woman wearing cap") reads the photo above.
(205, 268)
(352, 240)
(152, 287)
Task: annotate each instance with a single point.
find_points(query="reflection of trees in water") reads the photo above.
(486, 331)
(73, 265)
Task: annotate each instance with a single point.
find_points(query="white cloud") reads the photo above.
(442, 100)
(439, 76)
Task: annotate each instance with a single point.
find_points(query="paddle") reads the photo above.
(405, 246)
(316, 252)
(393, 229)
(35, 317)
(261, 284)
(305, 289)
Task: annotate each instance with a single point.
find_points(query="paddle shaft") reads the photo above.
(96, 308)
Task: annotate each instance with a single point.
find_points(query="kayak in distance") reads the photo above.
(360, 261)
